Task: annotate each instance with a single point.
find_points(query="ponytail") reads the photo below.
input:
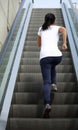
(44, 26)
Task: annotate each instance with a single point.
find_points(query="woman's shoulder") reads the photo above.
(56, 26)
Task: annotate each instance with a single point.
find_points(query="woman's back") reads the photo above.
(49, 40)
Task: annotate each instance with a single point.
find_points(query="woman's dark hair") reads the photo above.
(49, 19)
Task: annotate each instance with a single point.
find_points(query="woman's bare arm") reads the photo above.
(62, 30)
(38, 41)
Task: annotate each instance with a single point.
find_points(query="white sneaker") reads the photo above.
(48, 106)
(54, 87)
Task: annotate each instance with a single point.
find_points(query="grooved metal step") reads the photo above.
(66, 77)
(43, 124)
(35, 98)
(37, 87)
(35, 111)
(36, 68)
(35, 61)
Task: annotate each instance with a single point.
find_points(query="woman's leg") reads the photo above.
(46, 74)
(53, 74)
(55, 61)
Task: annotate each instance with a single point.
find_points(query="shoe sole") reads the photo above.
(54, 90)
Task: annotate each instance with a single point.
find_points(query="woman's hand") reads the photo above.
(64, 47)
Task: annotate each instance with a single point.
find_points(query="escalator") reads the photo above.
(27, 102)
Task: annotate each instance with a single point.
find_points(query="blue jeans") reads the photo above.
(48, 70)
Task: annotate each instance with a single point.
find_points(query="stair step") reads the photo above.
(36, 54)
(41, 17)
(56, 10)
(37, 77)
(40, 23)
(36, 68)
(43, 124)
(26, 98)
(36, 22)
(37, 87)
(35, 61)
(36, 98)
(35, 111)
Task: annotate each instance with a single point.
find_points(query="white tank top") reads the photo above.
(49, 42)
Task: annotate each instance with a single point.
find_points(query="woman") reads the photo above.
(50, 55)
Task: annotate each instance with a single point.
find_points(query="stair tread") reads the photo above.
(36, 68)
(43, 124)
(37, 77)
(37, 87)
(35, 98)
(35, 111)
(35, 61)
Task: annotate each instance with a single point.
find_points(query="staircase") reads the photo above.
(27, 103)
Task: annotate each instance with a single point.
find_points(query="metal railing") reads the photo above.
(71, 25)
(73, 12)
(13, 66)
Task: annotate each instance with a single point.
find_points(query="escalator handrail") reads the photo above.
(71, 37)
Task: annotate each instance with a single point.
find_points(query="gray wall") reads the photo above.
(8, 10)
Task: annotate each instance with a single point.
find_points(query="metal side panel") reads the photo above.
(10, 88)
